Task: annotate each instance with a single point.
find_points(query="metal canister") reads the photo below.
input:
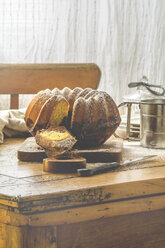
(152, 126)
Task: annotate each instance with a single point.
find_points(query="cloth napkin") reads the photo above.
(12, 123)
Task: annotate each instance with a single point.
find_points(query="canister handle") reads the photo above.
(148, 87)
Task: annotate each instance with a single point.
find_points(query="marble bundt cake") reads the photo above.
(90, 115)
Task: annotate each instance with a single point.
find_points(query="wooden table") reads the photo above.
(124, 208)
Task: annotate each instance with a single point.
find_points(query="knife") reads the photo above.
(104, 167)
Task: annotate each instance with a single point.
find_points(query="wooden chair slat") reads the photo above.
(18, 79)
(14, 101)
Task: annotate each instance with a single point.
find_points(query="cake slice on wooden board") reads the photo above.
(55, 140)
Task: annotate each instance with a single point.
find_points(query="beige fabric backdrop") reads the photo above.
(126, 38)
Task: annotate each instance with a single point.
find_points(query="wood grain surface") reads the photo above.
(40, 191)
(125, 207)
(31, 78)
(26, 237)
(138, 230)
(143, 230)
(110, 151)
(63, 165)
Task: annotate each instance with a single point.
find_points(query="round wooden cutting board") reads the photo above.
(67, 164)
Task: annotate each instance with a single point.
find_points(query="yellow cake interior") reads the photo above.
(58, 114)
(54, 135)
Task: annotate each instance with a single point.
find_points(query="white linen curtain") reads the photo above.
(126, 38)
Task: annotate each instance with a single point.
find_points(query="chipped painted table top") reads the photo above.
(25, 187)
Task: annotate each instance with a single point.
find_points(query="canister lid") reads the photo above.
(153, 101)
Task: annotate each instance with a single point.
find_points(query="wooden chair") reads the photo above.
(18, 79)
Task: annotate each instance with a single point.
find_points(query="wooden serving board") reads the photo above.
(111, 151)
(64, 165)
(29, 151)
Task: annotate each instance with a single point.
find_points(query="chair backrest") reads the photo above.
(18, 79)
